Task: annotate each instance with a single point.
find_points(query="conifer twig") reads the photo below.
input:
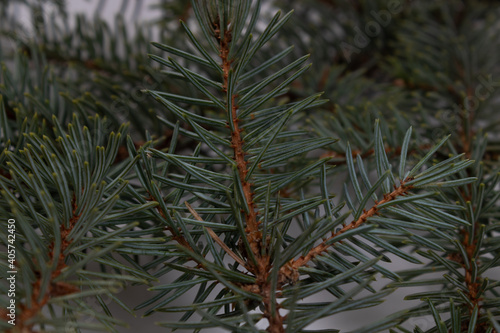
(323, 246)
(55, 289)
(253, 234)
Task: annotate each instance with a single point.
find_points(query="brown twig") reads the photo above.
(469, 235)
(253, 235)
(54, 289)
(469, 240)
(374, 210)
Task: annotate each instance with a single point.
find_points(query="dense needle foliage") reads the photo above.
(269, 159)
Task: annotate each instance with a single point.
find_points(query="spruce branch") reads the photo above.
(374, 210)
(254, 236)
(57, 259)
(253, 232)
(232, 187)
(262, 230)
(63, 199)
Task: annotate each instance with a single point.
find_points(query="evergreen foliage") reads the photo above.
(220, 155)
